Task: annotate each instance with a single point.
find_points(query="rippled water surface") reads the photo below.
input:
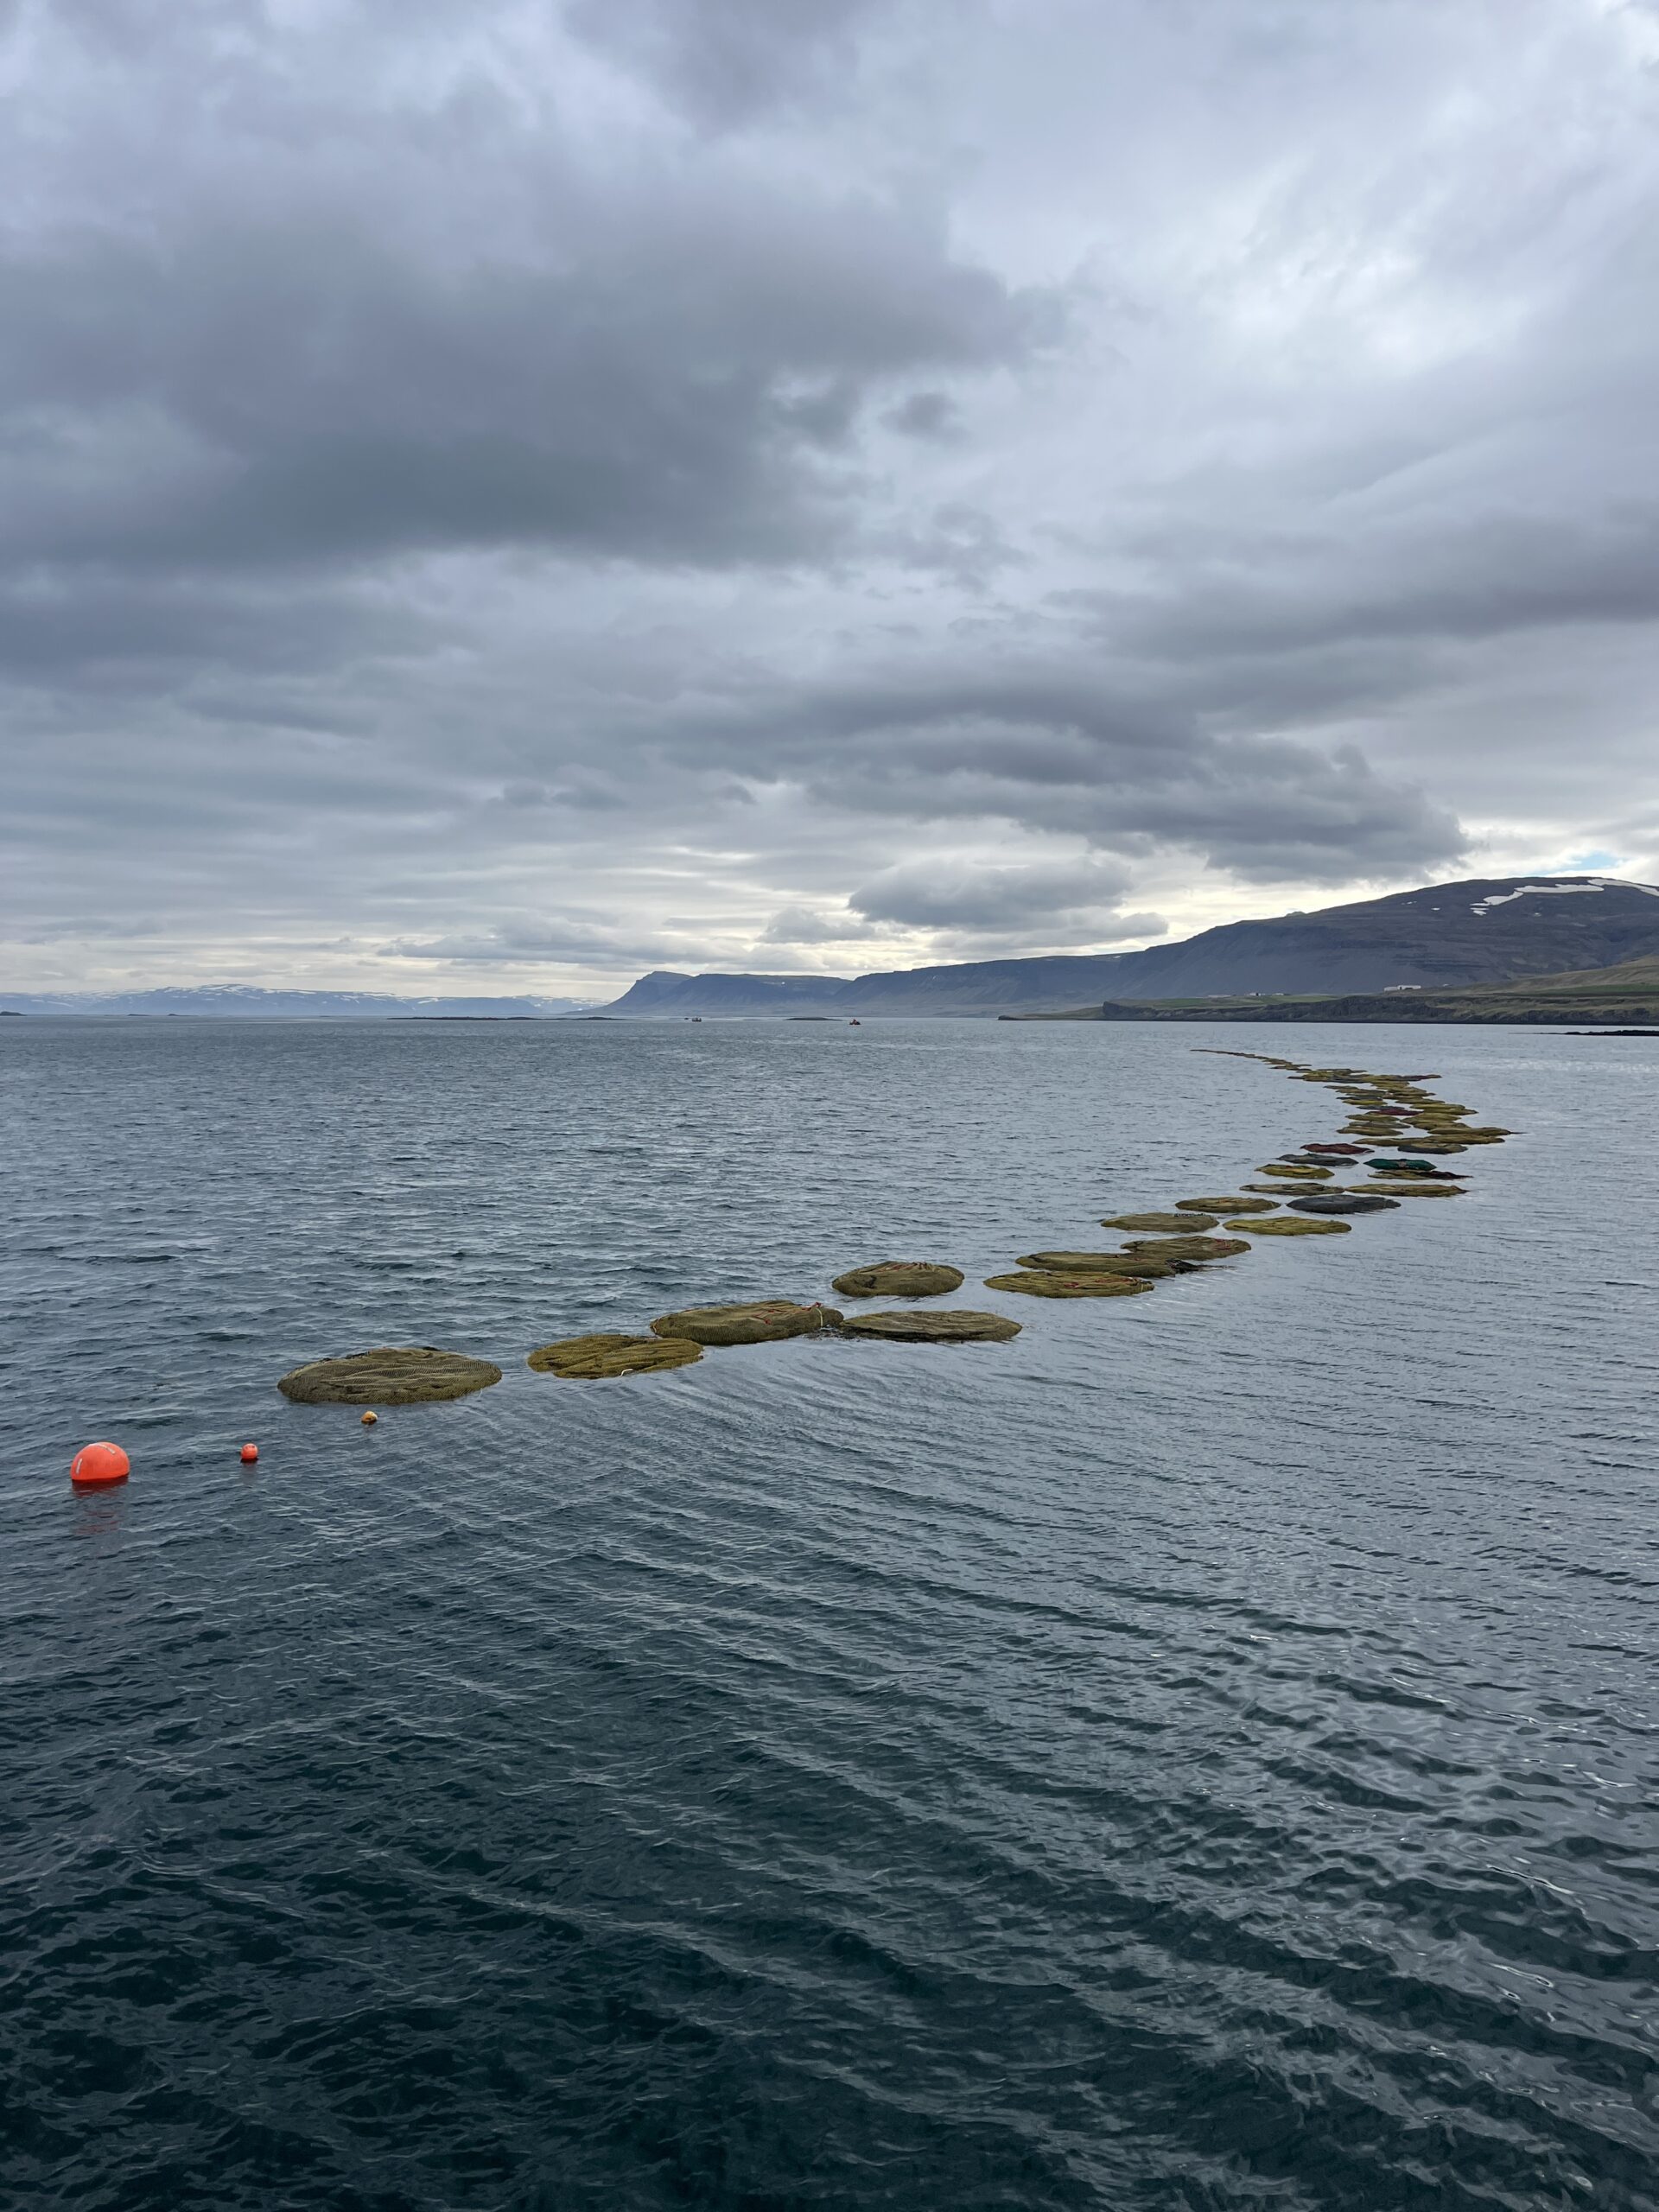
(1199, 1754)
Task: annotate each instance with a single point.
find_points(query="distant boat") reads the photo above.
(854, 1023)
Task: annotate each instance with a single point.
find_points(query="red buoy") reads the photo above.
(250, 1454)
(95, 1466)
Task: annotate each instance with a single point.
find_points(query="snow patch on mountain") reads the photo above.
(1556, 890)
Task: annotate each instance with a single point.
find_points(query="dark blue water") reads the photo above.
(1201, 1754)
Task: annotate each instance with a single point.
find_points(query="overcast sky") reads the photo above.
(504, 496)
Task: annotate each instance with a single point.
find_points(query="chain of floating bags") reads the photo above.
(1396, 1136)
(1298, 1195)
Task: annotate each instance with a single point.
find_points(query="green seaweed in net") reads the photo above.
(1135, 1261)
(1154, 1221)
(946, 1325)
(391, 1374)
(757, 1321)
(604, 1357)
(1045, 1282)
(1292, 1225)
(898, 1279)
(1193, 1250)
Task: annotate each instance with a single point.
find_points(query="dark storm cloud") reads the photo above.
(97, 626)
(1001, 897)
(663, 382)
(1366, 577)
(723, 61)
(924, 415)
(1078, 753)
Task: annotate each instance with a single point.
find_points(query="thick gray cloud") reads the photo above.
(797, 925)
(725, 60)
(1028, 898)
(659, 380)
(720, 482)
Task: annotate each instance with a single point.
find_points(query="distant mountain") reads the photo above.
(979, 986)
(241, 1000)
(1627, 993)
(664, 991)
(1445, 936)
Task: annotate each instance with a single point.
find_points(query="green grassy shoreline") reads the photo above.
(1622, 997)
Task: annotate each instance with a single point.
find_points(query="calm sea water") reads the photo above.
(1201, 1754)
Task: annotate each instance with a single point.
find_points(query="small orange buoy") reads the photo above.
(250, 1454)
(95, 1466)
(369, 1419)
